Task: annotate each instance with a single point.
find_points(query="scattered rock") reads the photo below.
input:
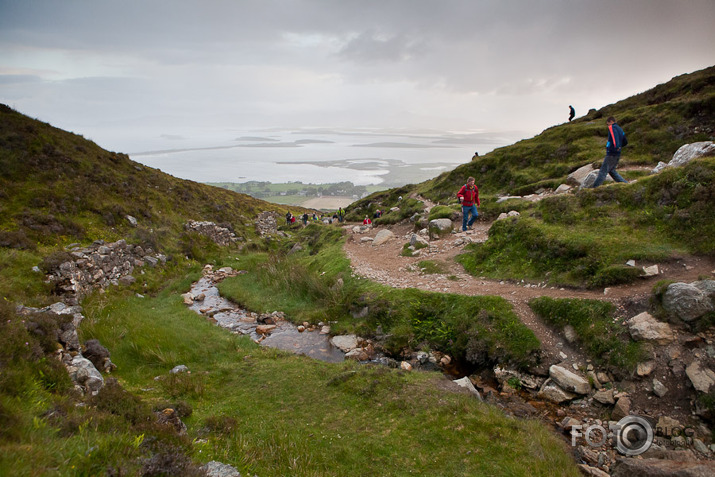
(659, 388)
(621, 409)
(554, 393)
(701, 377)
(644, 327)
(605, 396)
(569, 381)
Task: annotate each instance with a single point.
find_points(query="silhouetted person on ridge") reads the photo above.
(572, 112)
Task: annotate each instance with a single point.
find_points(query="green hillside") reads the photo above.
(263, 411)
(584, 238)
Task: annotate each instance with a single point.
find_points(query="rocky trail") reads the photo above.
(661, 390)
(384, 264)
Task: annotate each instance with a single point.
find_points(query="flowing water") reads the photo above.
(285, 336)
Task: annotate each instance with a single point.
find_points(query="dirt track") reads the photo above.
(384, 264)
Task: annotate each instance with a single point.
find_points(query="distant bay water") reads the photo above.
(318, 156)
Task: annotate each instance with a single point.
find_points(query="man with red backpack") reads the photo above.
(468, 196)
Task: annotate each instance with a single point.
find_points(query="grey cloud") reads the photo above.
(371, 46)
(19, 79)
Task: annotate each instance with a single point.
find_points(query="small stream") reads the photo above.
(284, 336)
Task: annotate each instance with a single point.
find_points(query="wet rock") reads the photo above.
(265, 329)
(568, 380)
(182, 368)
(345, 342)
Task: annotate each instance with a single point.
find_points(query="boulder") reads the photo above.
(562, 189)
(701, 377)
(569, 381)
(605, 396)
(591, 179)
(577, 177)
(644, 327)
(686, 301)
(218, 469)
(621, 409)
(688, 152)
(383, 236)
(440, 227)
(345, 342)
(83, 372)
(554, 393)
(466, 383)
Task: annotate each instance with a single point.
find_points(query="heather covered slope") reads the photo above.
(584, 237)
(657, 122)
(57, 186)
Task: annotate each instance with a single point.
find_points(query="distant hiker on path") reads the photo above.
(367, 221)
(616, 141)
(468, 196)
(572, 112)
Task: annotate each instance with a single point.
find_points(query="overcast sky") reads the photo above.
(119, 71)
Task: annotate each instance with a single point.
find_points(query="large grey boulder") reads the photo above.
(688, 152)
(83, 372)
(440, 227)
(577, 177)
(686, 301)
(383, 236)
(569, 381)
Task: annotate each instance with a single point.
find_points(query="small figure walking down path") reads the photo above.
(572, 112)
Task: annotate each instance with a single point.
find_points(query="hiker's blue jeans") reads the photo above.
(609, 167)
(466, 210)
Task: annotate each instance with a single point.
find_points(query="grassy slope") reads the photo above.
(263, 411)
(582, 239)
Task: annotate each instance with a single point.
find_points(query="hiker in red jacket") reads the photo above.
(469, 198)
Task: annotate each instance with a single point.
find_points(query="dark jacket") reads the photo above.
(616, 141)
(469, 196)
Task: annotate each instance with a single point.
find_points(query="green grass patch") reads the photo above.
(604, 339)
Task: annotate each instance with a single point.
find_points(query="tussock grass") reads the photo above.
(604, 339)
